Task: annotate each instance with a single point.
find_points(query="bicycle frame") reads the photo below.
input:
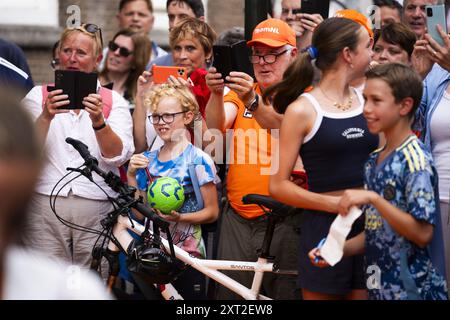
(207, 267)
(122, 224)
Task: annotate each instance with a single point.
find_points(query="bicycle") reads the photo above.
(155, 260)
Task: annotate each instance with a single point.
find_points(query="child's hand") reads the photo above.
(173, 216)
(316, 258)
(137, 161)
(354, 198)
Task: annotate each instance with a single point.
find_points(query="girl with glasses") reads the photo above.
(173, 109)
(127, 57)
(191, 42)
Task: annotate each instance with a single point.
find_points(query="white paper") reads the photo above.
(333, 248)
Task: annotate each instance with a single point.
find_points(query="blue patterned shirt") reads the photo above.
(186, 236)
(406, 178)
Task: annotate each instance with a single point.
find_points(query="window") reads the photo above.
(29, 12)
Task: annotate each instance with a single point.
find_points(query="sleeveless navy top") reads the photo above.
(336, 149)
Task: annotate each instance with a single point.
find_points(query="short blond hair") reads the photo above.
(182, 93)
(193, 28)
(98, 42)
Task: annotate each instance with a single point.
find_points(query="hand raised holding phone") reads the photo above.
(436, 17)
(161, 74)
(293, 18)
(52, 105)
(242, 84)
(215, 82)
(144, 83)
(93, 104)
(437, 40)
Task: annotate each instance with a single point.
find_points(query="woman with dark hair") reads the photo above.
(394, 42)
(127, 57)
(55, 53)
(327, 129)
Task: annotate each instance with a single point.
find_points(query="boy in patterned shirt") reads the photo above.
(399, 200)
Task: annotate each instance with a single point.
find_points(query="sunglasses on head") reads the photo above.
(92, 29)
(124, 52)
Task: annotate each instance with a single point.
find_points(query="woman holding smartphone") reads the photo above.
(191, 42)
(104, 125)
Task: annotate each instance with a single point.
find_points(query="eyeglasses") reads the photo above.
(268, 58)
(124, 52)
(92, 29)
(54, 63)
(167, 118)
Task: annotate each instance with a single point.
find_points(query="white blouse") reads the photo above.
(440, 145)
(61, 155)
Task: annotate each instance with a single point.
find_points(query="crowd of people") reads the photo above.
(358, 111)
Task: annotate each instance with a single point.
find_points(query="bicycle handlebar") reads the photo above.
(82, 149)
(113, 181)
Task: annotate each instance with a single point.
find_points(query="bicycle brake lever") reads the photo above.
(85, 172)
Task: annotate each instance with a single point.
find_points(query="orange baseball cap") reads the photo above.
(357, 17)
(273, 33)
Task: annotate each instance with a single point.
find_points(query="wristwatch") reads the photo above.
(254, 104)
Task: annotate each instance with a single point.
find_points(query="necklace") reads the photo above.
(340, 106)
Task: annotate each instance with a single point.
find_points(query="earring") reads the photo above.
(208, 61)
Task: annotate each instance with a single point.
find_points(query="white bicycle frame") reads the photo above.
(207, 267)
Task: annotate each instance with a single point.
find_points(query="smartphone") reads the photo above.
(222, 60)
(162, 73)
(436, 15)
(321, 7)
(77, 85)
(235, 57)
